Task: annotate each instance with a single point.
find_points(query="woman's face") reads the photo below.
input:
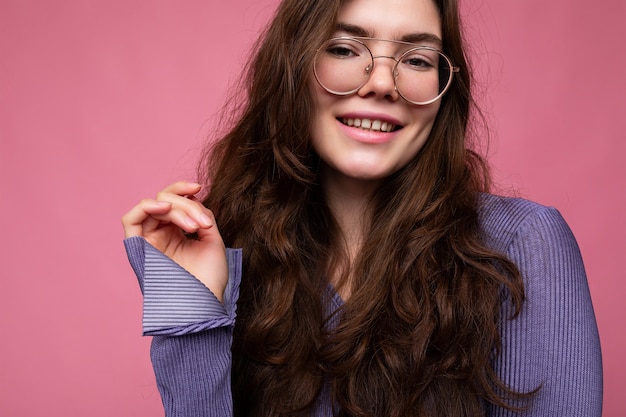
(370, 154)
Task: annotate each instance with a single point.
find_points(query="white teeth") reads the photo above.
(377, 125)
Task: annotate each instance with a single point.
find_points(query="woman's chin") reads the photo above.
(360, 173)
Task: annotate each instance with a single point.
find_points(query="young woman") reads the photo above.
(375, 276)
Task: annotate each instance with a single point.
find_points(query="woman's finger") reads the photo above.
(182, 188)
(174, 204)
(202, 215)
(140, 217)
(188, 211)
(209, 232)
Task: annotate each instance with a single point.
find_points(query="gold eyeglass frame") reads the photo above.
(394, 72)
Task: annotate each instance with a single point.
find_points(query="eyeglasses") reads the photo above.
(421, 74)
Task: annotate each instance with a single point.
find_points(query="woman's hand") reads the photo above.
(164, 221)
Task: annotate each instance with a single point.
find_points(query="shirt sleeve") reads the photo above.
(191, 347)
(174, 301)
(553, 344)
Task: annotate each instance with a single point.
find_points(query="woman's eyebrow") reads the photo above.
(353, 30)
(417, 37)
(423, 37)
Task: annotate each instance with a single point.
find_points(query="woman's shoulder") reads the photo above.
(505, 220)
(557, 314)
(538, 241)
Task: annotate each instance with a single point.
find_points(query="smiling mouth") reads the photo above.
(369, 124)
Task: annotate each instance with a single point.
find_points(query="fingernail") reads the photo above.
(205, 220)
(189, 222)
(163, 203)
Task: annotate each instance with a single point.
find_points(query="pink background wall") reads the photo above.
(104, 102)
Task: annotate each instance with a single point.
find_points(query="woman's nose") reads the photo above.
(381, 81)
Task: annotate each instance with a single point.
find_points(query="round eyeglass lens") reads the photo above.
(342, 66)
(421, 74)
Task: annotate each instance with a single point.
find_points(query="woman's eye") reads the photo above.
(417, 62)
(341, 51)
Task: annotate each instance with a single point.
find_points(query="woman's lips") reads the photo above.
(368, 130)
(375, 125)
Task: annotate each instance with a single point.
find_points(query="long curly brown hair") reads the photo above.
(418, 335)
